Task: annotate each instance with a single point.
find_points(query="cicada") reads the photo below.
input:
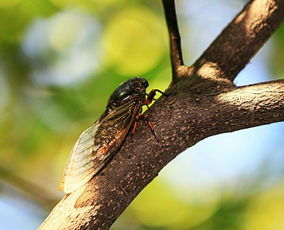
(98, 144)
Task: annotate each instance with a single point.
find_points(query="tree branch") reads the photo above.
(174, 37)
(179, 121)
(183, 119)
(240, 40)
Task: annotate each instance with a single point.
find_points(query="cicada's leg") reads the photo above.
(149, 123)
(143, 117)
(135, 124)
(152, 94)
(147, 101)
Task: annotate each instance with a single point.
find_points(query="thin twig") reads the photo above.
(174, 36)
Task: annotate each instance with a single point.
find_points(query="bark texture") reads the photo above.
(241, 39)
(205, 102)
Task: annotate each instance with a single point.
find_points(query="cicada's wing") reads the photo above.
(81, 163)
(97, 145)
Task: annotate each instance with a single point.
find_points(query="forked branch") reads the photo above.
(182, 119)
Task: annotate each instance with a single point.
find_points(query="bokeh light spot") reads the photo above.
(134, 41)
(267, 211)
(156, 208)
(64, 49)
(8, 3)
(64, 31)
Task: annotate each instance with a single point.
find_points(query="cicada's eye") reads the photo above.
(145, 84)
(138, 88)
(141, 85)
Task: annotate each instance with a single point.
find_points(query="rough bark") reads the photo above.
(205, 103)
(240, 40)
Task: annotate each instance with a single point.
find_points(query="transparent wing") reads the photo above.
(80, 167)
(96, 145)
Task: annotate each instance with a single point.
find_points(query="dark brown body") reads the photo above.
(98, 144)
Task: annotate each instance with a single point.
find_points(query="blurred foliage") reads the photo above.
(59, 62)
(266, 210)
(158, 207)
(277, 56)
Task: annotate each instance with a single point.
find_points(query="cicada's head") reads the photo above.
(133, 89)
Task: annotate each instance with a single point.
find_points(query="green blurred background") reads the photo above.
(59, 62)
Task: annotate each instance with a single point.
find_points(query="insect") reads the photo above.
(97, 145)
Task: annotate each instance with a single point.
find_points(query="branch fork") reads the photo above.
(181, 120)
